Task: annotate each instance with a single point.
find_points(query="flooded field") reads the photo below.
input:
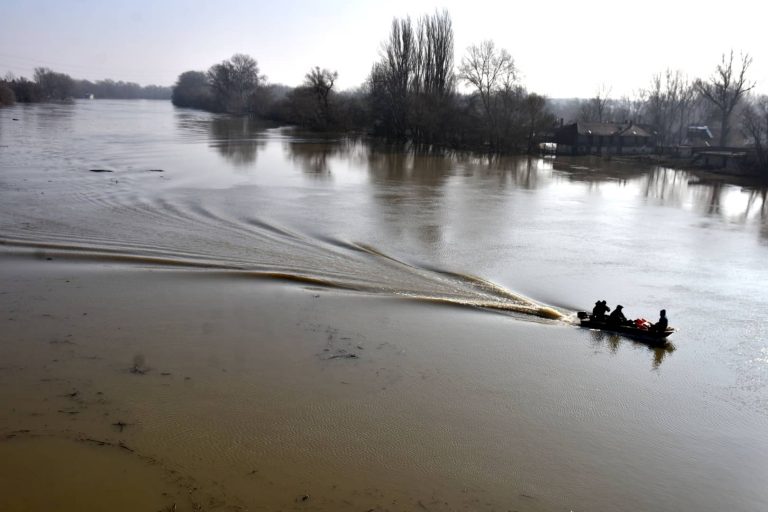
(242, 318)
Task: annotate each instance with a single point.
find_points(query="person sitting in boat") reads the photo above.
(599, 311)
(617, 317)
(662, 324)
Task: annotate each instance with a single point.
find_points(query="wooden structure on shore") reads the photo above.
(603, 139)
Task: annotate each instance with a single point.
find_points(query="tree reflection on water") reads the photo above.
(402, 173)
(711, 195)
(237, 139)
(314, 156)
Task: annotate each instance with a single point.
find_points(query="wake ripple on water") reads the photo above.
(185, 233)
(447, 288)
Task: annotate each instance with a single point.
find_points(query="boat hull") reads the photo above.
(645, 335)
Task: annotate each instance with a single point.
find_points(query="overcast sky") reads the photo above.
(563, 48)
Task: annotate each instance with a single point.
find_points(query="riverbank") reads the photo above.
(748, 177)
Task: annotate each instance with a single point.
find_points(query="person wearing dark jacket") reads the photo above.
(663, 323)
(617, 317)
(600, 309)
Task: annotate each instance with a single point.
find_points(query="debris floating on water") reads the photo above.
(343, 356)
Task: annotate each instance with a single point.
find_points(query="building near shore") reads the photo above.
(603, 139)
(698, 136)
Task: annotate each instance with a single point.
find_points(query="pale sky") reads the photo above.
(563, 48)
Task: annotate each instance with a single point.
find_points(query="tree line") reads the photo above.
(49, 85)
(417, 92)
(673, 102)
(412, 93)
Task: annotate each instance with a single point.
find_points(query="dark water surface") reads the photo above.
(511, 234)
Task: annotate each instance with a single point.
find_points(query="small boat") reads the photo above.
(648, 336)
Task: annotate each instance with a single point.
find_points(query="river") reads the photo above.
(519, 244)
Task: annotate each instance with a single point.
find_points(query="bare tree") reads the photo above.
(538, 118)
(53, 85)
(412, 86)
(192, 89)
(596, 108)
(433, 82)
(493, 74)
(320, 83)
(435, 55)
(236, 84)
(755, 127)
(726, 88)
(659, 106)
(686, 101)
(668, 104)
(7, 97)
(629, 108)
(391, 77)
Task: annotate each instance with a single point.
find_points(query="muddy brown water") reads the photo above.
(303, 315)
